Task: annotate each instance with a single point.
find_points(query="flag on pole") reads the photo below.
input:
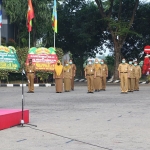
(0, 13)
(30, 16)
(54, 17)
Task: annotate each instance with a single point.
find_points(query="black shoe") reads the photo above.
(125, 92)
(32, 92)
(28, 92)
(88, 92)
(91, 92)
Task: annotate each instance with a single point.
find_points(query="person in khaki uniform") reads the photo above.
(104, 75)
(97, 84)
(131, 77)
(58, 76)
(67, 77)
(123, 75)
(90, 75)
(73, 67)
(30, 72)
(137, 76)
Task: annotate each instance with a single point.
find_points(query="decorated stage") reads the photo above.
(12, 117)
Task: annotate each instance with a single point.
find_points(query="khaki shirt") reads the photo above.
(137, 72)
(104, 70)
(123, 68)
(90, 70)
(30, 69)
(67, 73)
(73, 67)
(98, 70)
(131, 71)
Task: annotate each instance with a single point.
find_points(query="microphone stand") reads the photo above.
(22, 118)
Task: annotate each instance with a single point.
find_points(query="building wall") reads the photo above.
(7, 30)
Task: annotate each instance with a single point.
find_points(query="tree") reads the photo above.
(119, 16)
(79, 30)
(134, 45)
(17, 10)
(110, 63)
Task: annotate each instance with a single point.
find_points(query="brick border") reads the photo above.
(20, 85)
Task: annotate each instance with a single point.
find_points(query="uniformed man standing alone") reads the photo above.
(90, 75)
(131, 77)
(137, 76)
(104, 75)
(73, 67)
(123, 75)
(30, 72)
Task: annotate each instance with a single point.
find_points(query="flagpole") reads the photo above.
(1, 22)
(54, 39)
(0, 37)
(29, 40)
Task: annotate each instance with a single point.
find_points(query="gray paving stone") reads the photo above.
(79, 121)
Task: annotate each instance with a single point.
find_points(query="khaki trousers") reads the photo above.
(103, 83)
(97, 85)
(67, 84)
(72, 83)
(90, 84)
(131, 84)
(30, 77)
(136, 84)
(59, 84)
(124, 82)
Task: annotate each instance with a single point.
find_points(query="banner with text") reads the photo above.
(43, 58)
(8, 58)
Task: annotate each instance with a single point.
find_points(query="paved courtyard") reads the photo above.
(105, 120)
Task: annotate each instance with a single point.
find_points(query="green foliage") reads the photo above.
(134, 45)
(17, 12)
(22, 56)
(4, 75)
(11, 42)
(79, 30)
(110, 63)
(59, 53)
(43, 75)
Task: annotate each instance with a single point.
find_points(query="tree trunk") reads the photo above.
(117, 54)
(81, 66)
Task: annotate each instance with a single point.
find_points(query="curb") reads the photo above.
(110, 81)
(20, 85)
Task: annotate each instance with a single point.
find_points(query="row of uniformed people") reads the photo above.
(129, 74)
(96, 75)
(64, 73)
